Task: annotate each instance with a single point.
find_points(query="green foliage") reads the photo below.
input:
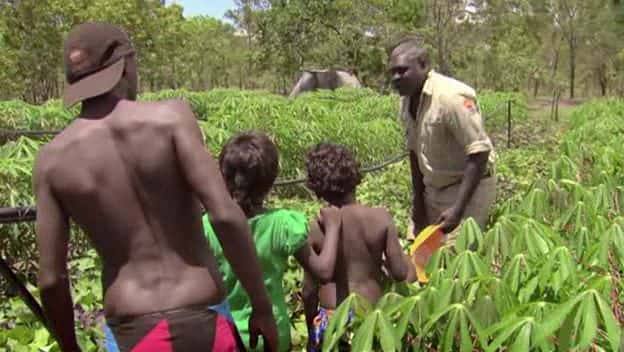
(495, 111)
(21, 331)
(507, 45)
(475, 287)
(546, 275)
(173, 52)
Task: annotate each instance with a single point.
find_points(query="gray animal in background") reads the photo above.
(325, 79)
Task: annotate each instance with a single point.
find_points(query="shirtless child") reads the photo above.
(133, 176)
(368, 234)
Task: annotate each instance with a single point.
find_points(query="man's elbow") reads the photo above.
(51, 280)
(227, 219)
(479, 159)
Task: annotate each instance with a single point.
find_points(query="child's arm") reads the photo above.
(396, 260)
(322, 265)
(310, 301)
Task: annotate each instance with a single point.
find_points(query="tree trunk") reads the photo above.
(572, 68)
(536, 88)
(603, 80)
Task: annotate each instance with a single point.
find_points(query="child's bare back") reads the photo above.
(368, 237)
(368, 240)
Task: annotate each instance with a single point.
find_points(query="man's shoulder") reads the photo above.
(170, 107)
(160, 114)
(48, 157)
(450, 88)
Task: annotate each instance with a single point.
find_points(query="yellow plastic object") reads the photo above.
(426, 243)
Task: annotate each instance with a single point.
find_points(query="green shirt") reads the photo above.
(278, 234)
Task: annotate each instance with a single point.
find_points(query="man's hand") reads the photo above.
(449, 219)
(263, 323)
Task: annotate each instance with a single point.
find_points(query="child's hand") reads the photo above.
(330, 218)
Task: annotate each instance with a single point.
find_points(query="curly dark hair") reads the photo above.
(249, 163)
(332, 171)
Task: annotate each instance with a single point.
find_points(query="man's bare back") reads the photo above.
(133, 176)
(120, 180)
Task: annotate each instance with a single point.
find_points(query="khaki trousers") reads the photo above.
(479, 206)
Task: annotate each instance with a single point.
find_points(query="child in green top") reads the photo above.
(249, 163)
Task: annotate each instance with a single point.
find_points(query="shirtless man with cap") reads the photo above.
(133, 175)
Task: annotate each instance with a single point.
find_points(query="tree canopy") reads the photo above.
(522, 45)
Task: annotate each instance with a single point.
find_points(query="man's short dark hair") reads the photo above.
(413, 40)
(249, 163)
(332, 171)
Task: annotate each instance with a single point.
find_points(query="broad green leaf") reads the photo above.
(485, 311)
(534, 204)
(21, 334)
(41, 338)
(338, 323)
(466, 266)
(556, 319)
(516, 272)
(522, 342)
(590, 324)
(497, 242)
(470, 236)
(559, 268)
(526, 292)
(504, 330)
(611, 325)
(390, 303)
(363, 337)
(466, 339)
(387, 335)
(449, 331)
(409, 308)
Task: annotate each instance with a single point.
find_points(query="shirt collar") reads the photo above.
(428, 87)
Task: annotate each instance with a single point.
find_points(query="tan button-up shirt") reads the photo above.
(447, 128)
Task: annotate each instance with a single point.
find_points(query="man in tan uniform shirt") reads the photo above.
(451, 156)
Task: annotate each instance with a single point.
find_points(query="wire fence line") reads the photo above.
(29, 213)
(20, 214)
(377, 167)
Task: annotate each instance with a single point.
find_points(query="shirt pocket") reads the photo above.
(435, 138)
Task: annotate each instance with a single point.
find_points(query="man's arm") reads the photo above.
(228, 220)
(419, 215)
(475, 167)
(52, 229)
(466, 125)
(396, 260)
(322, 265)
